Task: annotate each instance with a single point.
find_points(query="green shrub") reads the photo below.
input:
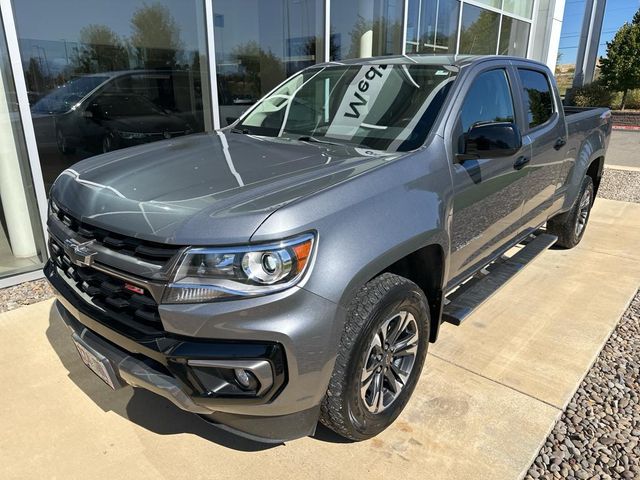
(632, 103)
(594, 95)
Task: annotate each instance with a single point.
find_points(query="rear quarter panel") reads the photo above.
(588, 139)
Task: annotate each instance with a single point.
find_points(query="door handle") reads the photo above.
(521, 162)
(560, 142)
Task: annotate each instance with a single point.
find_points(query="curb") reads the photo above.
(622, 167)
(629, 128)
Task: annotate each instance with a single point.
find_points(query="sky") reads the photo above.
(616, 13)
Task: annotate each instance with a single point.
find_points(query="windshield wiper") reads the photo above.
(237, 130)
(310, 139)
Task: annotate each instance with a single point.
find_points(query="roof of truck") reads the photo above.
(427, 59)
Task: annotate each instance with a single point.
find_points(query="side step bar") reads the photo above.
(474, 292)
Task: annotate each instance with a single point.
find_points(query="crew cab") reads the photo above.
(294, 267)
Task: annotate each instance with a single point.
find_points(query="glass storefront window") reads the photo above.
(145, 61)
(479, 31)
(259, 43)
(21, 237)
(514, 37)
(523, 8)
(366, 28)
(432, 26)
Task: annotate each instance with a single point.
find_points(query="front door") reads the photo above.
(488, 192)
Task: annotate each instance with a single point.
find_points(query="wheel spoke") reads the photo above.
(410, 350)
(366, 383)
(383, 332)
(399, 327)
(395, 385)
(379, 405)
(406, 342)
(376, 390)
(399, 373)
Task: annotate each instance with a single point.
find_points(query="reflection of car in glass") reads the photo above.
(58, 116)
(115, 120)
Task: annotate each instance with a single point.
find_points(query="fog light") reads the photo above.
(244, 378)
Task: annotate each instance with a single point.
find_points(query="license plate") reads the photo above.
(98, 364)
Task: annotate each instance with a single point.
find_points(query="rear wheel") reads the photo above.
(380, 358)
(570, 226)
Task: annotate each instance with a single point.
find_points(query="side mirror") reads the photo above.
(491, 140)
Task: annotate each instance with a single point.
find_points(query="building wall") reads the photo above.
(84, 69)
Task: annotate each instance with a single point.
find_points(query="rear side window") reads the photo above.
(488, 100)
(538, 101)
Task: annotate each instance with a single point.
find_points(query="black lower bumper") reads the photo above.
(137, 372)
(188, 371)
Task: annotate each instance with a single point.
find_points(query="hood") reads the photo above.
(213, 189)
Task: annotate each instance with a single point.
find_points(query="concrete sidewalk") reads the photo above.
(490, 393)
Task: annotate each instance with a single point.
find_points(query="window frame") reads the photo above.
(553, 118)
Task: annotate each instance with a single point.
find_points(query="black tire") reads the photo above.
(386, 297)
(62, 144)
(570, 226)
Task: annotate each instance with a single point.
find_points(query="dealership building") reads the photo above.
(185, 66)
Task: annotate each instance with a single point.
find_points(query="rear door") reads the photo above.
(544, 129)
(488, 192)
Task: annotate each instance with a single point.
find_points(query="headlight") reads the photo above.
(208, 274)
(132, 135)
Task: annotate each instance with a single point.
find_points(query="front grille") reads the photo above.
(151, 252)
(127, 311)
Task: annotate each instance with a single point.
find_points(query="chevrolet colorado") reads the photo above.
(293, 267)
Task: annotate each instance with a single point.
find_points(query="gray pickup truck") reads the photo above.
(293, 267)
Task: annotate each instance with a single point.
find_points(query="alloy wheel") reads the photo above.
(583, 212)
(389, 361)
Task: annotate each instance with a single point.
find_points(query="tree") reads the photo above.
(262, 70)
(100, 50)
(155, 36)
(620, 69)
(36, 80)
(480, 37)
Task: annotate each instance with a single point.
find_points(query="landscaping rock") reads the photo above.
(597, 436)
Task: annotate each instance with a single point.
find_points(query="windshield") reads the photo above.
(62, 99)
(111, 105)
(382, 107)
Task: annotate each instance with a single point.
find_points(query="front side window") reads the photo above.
(488, 100)
(537, 96)
(382, 107)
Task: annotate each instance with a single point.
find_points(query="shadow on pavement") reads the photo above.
(144, 408)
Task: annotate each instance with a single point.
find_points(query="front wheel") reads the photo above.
(570, 226)
(63, 144)
(380, 358)
(107, 143)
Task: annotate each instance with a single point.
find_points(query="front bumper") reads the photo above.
(288, 409)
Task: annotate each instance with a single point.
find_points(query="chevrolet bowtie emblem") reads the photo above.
(79, 253)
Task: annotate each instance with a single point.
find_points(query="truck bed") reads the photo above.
(584, 119)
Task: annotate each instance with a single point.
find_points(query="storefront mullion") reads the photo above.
(23, 208)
